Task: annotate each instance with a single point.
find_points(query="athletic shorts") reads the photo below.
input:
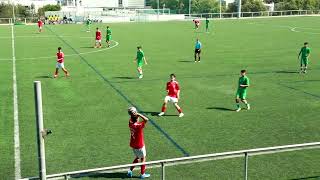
(98, 41)
(60, 65)
(304, 61)
(171, 99)
(140, 63)
(197, 51)
(140, 153)
(242, 94)
(40, 27)
(108, 38)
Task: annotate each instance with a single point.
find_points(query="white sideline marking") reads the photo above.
(5, 37)
(48, 57)
(17, 160)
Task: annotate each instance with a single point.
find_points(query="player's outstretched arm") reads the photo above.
(144, 118)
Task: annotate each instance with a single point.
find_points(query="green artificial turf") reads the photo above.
(87, 112)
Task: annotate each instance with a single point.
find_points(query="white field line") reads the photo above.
(5, 37)
(17, 160)
(49, 57)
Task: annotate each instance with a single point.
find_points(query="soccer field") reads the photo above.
(87, 112)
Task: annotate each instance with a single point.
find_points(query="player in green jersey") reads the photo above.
(241, 94)
(304, 57)
(88, 23)
(207, 24)
(139, 59)
(108, 38)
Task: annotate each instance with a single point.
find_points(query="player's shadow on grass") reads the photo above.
(310, 177)
(186, 61)
(44, 77)
(156, 114)
(287, 72)
(87, 47)
(124, 77)
(221, 108)
(117, 175)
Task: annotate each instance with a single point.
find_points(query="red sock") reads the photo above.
(179, 110)
(143, 169)
(164, 108)
(136, 160)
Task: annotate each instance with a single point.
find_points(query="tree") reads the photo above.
(253, 6)
(48, 7)
(247, 6)
(205, 6)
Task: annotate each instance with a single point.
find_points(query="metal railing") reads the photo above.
(256, 14)
(192, 159)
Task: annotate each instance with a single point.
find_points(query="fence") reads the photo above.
(255, 14)
(185, 160)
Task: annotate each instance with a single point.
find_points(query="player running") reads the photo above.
(139, 59)
(304, 57)
(197, 51)
(137, 140)
(98, 39)
(207, 24)
(108, 38)
(173, 96)
(241, 95)
(60, 63)
(40, 25)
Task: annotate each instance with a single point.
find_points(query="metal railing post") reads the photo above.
(163, 171)
(246, 159)
(40, 131)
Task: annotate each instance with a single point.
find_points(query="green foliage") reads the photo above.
(5, 10)
(205, 6)
(253, 6)
(48, 7)
(247, 6)
(20, 11)
(182, 6)
(297, 5)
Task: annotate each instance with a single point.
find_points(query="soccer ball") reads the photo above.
(132, 110)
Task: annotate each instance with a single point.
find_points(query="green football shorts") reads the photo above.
(304, 61)
(242, 94)
(140, 63)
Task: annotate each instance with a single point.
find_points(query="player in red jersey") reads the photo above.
(196, 23)
(98, 39)
(137, 140)
(40, 25)
(173, 96)
(60, 63)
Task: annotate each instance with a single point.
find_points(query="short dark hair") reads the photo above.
(243, 71)
(97, 28)
(139, 47)
(107, 26)
(172, 75)
(59, 48)
(306, 43)
(134, 118)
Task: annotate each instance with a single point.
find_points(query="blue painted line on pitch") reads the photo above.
(185, 153)
(304, 92)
